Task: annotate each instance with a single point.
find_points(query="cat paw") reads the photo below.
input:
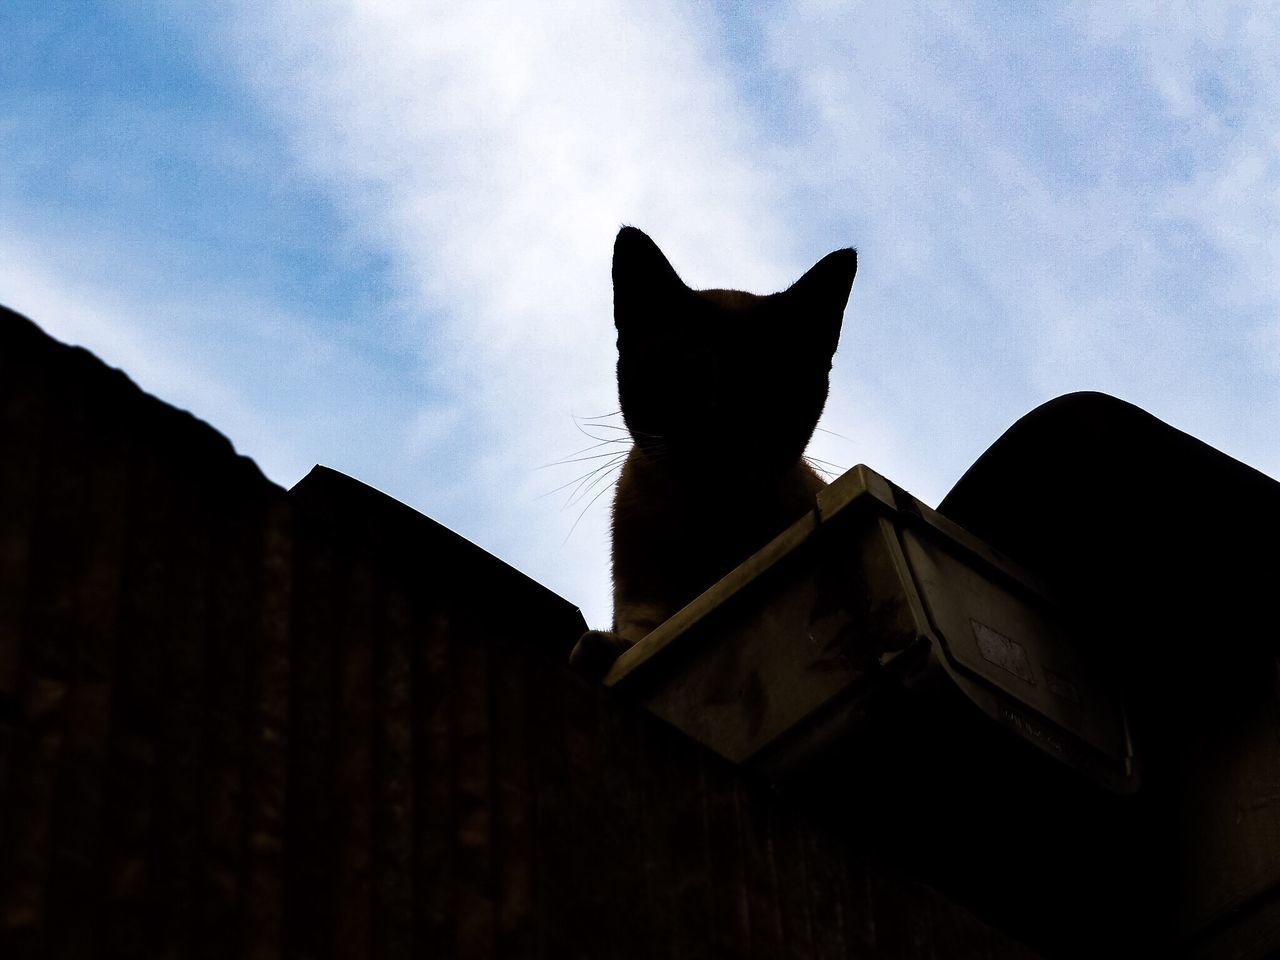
(595, 652)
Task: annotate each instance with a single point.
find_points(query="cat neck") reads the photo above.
(729, 489)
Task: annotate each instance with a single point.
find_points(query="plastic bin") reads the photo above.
(869, 596)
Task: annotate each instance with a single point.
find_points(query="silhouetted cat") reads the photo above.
(720, 391)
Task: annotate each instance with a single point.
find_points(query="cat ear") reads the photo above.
(642, 277)
(823, 292)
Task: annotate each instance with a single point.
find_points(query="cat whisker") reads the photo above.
(610, 426)
(585, 432)
(581, 479)
(577, 452)
(594, 456)
(543, 496)
(825, 468)
(603, 416)
(588, 481)
(602, 491)
(832, 433)
(583, 490)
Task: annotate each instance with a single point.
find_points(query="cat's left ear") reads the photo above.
(645, 285)
(823, 292)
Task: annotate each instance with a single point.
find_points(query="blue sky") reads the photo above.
(377, 235)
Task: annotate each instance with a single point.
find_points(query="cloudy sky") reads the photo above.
(376, 235)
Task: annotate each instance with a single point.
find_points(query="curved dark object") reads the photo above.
(1170, 547)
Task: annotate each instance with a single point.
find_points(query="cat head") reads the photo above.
(713, 382)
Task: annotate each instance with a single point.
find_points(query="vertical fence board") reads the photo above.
(267, 769)
(433, 846)
(176, 838)
(130, 786)
(311, 819)
(393, 764)
(475, 887)
(513, 821)
(223, 791)
(353, 873)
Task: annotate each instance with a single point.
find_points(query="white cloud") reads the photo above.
(1026, 225)
(115, 329)
(288, 394)
(493, 152)
(1009, 251)
(1031, 199)
(1215, 68)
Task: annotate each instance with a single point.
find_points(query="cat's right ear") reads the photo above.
(643, 280)
(824, 291)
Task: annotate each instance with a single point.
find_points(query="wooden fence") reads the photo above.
(240, 721)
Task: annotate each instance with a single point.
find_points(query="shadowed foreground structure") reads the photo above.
(236, 721)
